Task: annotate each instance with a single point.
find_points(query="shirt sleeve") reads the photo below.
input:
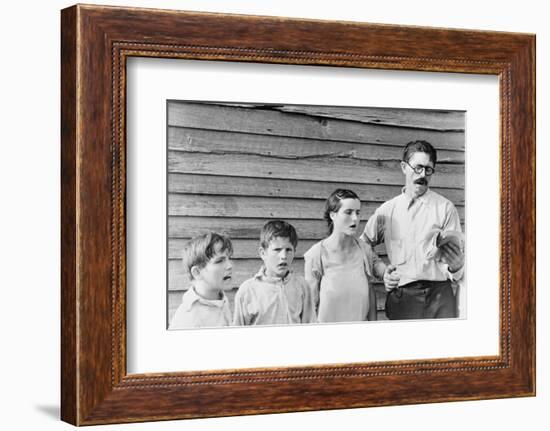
(376, 265)
(240, 314)
(456, 276)
(374, 229)
(452, 222)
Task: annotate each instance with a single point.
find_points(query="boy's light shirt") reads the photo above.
(409, 230)
(198, 312)
(264, 300)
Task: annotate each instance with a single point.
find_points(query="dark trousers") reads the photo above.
(422, 300)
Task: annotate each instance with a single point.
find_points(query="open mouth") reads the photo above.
(282, 265)
(421, 182)
(227, 277)
(353, 226)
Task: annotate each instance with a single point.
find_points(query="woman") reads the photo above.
(338, 268)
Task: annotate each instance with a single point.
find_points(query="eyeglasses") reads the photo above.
(419, 168)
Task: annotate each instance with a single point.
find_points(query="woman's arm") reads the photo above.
(313, 279)
(372, 314)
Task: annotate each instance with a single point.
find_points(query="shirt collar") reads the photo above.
(261, 275)
(425, 198)
(192, 296)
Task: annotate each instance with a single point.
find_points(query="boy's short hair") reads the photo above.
(278, 228)
(199, 250)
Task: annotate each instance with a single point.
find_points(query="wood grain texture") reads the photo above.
(242, 248)
(245, 186)
(69, 308)
(95, 387)
(200, 140)
(188, 227)
(257, 207)
(439, 120)
(343, 170)
(265, 121)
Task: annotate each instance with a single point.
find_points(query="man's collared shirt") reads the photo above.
(198, 312)
(264, 300)
(409, 229)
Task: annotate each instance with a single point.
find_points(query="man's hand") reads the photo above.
(453, 256)
(391, 278)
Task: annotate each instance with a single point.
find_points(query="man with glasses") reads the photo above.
(413, 226)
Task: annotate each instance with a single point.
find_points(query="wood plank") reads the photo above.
(248, 248)
(188, 227)
(242, 248)
(334, 170)
(270, 122)
(250, 206)
(434, 119)
(440, 120)
(257, 207)
(246, 186)
(211, 141)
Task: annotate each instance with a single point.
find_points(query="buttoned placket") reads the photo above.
(410, 231)
(281, 283)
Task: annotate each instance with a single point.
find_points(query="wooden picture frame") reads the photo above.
(96, 41)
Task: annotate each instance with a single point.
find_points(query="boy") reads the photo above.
(207, 259)
(274, 296)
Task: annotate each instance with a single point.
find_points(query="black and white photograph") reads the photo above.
(155, 150)
(287, 214)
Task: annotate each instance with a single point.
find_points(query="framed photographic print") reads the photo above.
(325, 222)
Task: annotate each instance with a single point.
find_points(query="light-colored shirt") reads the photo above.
(340, 290)
(409, 229)
(198, 312)
(264, 300)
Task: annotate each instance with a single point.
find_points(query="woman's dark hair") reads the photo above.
(334, 202)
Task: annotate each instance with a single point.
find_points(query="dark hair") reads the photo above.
(334, 202)
(199, 250)
(278, 228)
(419, 147)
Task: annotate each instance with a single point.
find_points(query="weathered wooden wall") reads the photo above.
(232, 167)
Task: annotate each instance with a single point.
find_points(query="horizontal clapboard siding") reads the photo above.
(197, 140)
(325, 169)
(188, 227)
(264, 121)
(253, 206)
(232, 167)
(248, 248)
(440, 120)
(242, 248)
(246, 186)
